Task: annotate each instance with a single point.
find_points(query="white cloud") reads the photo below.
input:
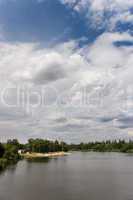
(100, 5)
(104, 54)
(118, 10)
(94, 83)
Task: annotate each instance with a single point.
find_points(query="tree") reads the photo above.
(2, 150)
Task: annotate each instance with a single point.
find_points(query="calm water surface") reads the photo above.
(80, 176)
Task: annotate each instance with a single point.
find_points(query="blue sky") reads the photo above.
(44, 21)
(49, 21)
(76, 52)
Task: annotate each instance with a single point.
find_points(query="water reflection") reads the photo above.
(38, 160)
(86, 176)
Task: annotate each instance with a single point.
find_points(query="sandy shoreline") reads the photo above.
(45, 155)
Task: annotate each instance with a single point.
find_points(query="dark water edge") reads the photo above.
(79, 176)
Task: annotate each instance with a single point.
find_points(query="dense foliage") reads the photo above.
(9, 153)
(2, 150)
(107, 146)
(45, 146)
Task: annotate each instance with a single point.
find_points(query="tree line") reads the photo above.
(9, 150)
(105, 146)
(45, 146)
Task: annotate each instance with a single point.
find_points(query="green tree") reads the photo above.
(2, 150)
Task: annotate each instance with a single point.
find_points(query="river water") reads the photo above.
(79, 176)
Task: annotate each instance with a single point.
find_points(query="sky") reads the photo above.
(66, 70)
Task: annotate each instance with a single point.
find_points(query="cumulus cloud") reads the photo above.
(53, 71)
(88, 90)
(67, 91)
(103, 13)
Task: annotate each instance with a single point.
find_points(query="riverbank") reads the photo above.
(44, 155)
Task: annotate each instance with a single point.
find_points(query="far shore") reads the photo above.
(44, 155)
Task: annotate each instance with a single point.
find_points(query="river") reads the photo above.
(79, 176)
